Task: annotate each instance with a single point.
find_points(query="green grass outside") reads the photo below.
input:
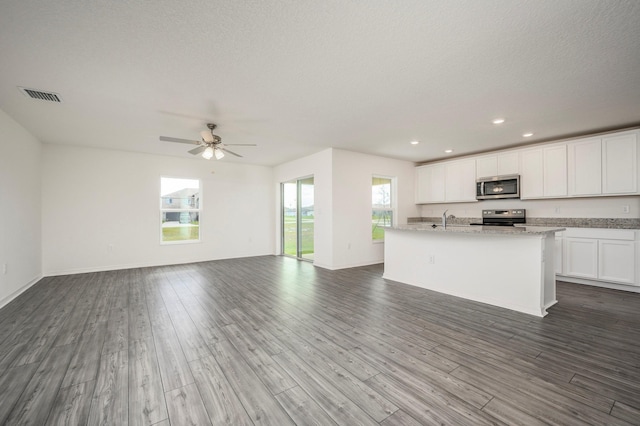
(308, 227)
(181, 233)
(377, 232)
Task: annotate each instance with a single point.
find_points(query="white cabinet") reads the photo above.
(498, 165)
(555, 171)
(430, 184)
(448, 182)
(581, 257)
(487, 166)
(608, 255)
(620, 163)
(543, 172)
(588, 167)
(616, 261)
(509, 163)
(531, 174)
(460, 183)
(603, 165)
(585, 167)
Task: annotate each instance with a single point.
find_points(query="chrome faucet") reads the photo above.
(444, 219)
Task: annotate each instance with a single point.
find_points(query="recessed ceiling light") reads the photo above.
(498, 121)
(414, 142)
(527, 135)
(448, 151)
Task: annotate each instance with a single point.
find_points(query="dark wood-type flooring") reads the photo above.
(271, 340)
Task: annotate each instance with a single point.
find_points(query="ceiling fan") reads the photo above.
(211, 145)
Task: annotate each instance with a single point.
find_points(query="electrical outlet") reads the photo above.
(557, 209)
(432, 259)
(110, 248)
(4, 269)
(625, 209)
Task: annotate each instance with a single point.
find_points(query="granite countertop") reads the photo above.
(482, 230)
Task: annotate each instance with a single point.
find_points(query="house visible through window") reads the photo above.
(179, 210)
(382, 210)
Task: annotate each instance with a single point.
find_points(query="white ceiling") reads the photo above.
(300, 76)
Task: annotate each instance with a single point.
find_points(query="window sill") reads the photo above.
(173, 243)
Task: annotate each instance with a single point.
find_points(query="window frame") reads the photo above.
(392, 202)
(180, 210)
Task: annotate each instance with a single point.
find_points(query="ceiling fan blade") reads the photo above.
(169, 139)
(230, 152)
(197, 150)
(241, 144)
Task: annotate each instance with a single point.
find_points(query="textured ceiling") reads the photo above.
(300, 76)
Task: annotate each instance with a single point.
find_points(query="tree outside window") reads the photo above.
(382, 212)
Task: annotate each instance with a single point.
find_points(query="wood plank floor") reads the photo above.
(274, 341)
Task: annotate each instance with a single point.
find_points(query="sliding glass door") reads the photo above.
(298, 218)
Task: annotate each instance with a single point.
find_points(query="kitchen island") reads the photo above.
(510, 267)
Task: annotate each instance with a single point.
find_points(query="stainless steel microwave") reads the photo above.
(498, 187)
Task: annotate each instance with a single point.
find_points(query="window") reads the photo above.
(179, 210)
(382, 210)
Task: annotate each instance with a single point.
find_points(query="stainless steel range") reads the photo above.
(508, 217)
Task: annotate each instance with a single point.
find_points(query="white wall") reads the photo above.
(20, 206)
(352, 173)
(319, 166)
(94, 198)
(343, 203)
(601, 207)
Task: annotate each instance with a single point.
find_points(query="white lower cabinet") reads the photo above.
(581, 258)
(616, 261)
(608, 255)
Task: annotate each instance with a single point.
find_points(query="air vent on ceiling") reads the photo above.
(40, 94)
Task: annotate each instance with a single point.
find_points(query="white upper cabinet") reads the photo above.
(487, 166)
(589, 167)
(543, 172)
(555, 171)
(460, 180)
(585, 167)
(430, 184)
(498, 165)
(531, 173)
(620, 163)
(449, 182)
(603, 165)
(509, 163)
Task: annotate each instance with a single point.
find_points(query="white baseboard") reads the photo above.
(5, 301)
(354, 265)
(138, 265)
(605, 284)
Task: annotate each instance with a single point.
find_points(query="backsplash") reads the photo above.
(623, 207)
(564, 222)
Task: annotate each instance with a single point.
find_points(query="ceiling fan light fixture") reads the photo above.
(206, 135)
(208, 153)
(219, 154)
